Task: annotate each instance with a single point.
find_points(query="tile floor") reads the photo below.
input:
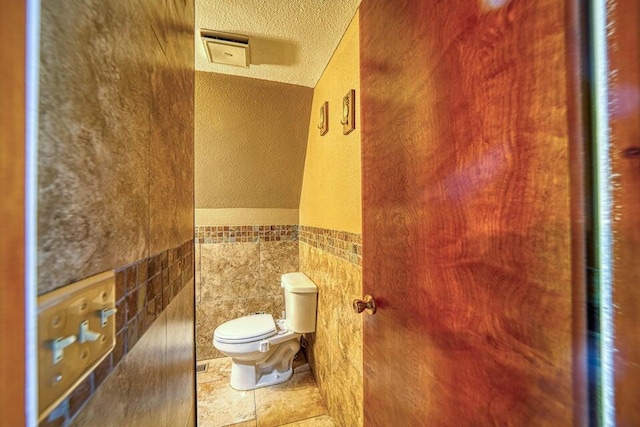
(295, 403)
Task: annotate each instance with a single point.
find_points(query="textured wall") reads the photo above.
(116, 135)
(331, 186)
(330, 227)
(335, 349)
(247, 216)
(238, 272)
(251, 138)
(116, 188)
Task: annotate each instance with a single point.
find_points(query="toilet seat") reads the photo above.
(249, 334)
(246, 329)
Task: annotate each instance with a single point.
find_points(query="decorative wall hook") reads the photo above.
(324, 119)
(348, 112)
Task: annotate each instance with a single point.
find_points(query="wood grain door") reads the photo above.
(12, 172)
(471, 232)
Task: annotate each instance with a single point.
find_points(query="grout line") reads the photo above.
(305, 419)
(255, 406)
(259, 260)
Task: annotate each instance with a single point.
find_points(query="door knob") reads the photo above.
(368, 305)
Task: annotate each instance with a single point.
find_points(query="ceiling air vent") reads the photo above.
(224, 48)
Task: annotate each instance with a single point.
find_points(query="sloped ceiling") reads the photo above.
(291, 41)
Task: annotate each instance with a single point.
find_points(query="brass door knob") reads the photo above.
(368, 305)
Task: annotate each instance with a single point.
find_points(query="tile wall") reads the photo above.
(333, 259)
(238, 271)
(154, 384)
(115, 191)
(144, 292)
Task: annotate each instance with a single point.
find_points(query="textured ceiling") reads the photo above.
(291, 41)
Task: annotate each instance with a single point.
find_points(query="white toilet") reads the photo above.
(261, 349)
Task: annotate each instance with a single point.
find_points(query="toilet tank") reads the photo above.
(300, 299)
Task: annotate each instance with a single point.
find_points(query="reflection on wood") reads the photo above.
(12, 173)
(467, 214)
(624, 60)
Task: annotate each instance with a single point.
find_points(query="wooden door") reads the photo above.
(468, 214)
(624, 116)
(12, 314)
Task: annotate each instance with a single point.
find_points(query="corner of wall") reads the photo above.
(331, 189)
(330, 242)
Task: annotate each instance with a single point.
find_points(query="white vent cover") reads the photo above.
(223, 48)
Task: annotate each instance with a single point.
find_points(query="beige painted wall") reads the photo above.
(331, 193)
(247, 216)
(330, 200)
(250, 142)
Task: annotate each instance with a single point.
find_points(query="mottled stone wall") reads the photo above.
(115, 191)
(116, 135)
(331, 259)
(238, 272)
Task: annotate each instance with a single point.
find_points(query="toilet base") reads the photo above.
(276, 368)
(239, 380)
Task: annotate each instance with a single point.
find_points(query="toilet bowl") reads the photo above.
(261, 348)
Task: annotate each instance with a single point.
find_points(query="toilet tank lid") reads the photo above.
(298, 283)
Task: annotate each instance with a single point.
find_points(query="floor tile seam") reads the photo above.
(224, 382)
(210, 360)
(326, 412)
(211, 381)
(255, 407)
(304, 419)
(241, 422)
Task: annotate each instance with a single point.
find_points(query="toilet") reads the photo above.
(261, 348)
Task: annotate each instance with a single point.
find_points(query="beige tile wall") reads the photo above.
(335, 350)
(236, 278)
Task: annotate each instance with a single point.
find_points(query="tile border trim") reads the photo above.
(342, 244)
(245, 233)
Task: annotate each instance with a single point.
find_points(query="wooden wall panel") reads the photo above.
(624, 63)
(467, 214)
(12, 133)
